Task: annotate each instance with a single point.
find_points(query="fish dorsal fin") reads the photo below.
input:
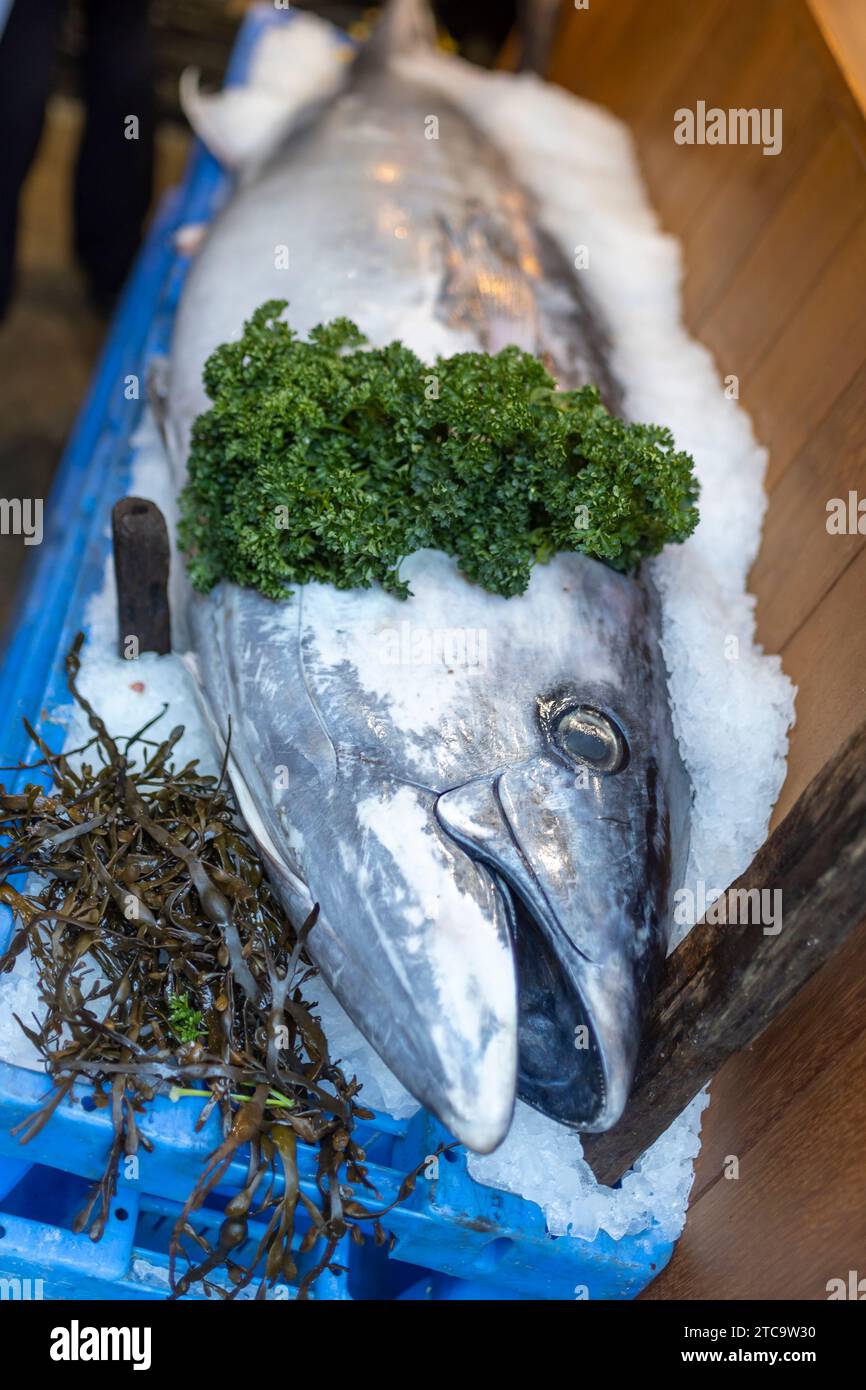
(296, 68)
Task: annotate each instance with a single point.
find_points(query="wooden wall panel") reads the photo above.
(744, 199)
(775, 284)
(843, 23)
(815, 215)
(800, 560)
(734, 59)
(815, 355)
(826, 658)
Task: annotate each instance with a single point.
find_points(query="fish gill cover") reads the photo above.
(330, 460)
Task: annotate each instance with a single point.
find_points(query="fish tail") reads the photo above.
(405, 27)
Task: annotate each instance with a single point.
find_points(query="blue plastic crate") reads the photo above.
(453, 1238)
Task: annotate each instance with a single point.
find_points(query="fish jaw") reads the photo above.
(588, 871)
(414, 940)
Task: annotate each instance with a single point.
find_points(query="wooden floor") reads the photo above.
(792, 1112)
(775, 285)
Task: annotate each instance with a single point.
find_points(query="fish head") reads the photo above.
(586, 833)
(485, 799)
(584, 843)
(540, 728)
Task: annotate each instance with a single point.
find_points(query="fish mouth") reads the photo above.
(582, 949)
(563, 1069)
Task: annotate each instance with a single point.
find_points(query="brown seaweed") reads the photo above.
(165, 959)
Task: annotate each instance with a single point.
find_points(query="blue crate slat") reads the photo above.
(131, 1261)
(12, 1170)
(453, 1238)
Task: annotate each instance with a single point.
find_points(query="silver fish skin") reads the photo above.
(484, 795)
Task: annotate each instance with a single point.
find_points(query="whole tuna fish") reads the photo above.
(483, 794)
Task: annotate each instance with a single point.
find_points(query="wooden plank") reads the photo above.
(752, 1092)
(668, 88)
(793, 578)
(803, 235)
(632, 59)
(589, 43)
(795, 322)
(666, 42)
(682, 177)
(796, 1216)
(826, 659)
(810, 363)
(729, 979)
(746, 195)
(839, 86)
(843, 23)
(604, 51)
(652, 92)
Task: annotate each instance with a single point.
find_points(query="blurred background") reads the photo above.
(59, 60)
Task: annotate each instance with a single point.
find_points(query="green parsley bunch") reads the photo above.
(329, 460)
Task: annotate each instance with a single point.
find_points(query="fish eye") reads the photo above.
(585, 735)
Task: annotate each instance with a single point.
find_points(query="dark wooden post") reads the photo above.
(141, 565)
(726, 982)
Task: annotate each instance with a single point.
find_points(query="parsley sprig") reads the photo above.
(330, 460)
